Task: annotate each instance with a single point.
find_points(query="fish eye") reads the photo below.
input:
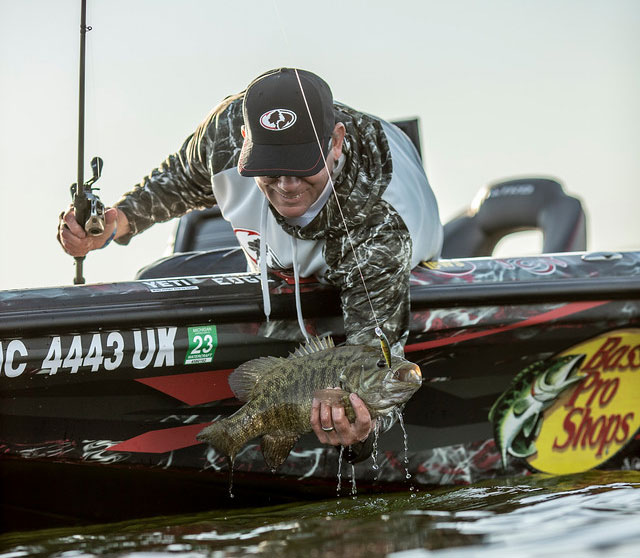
(381, 363)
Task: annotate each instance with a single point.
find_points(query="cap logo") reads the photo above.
(278, 119)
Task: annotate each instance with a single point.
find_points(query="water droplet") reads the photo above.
(374, 452)
(406, 444)
(339, 487)
(354, 490)
(231, 460)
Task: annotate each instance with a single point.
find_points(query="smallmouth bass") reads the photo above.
(279, 391)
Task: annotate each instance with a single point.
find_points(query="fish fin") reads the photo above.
(244, 378)
(314, 345)
(276, 448)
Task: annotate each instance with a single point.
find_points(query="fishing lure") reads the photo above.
(384, 343)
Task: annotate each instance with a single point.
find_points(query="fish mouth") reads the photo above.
(555, 380)
(396, 389)
(409, 373)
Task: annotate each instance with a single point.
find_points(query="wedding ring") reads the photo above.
(327, 429)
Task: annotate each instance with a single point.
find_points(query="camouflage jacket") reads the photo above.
(382, 189)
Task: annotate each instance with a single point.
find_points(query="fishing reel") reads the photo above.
(89, 209)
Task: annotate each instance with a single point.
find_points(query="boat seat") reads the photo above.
(186, 264)
(514, 206)
(204, 244)
(204, 229)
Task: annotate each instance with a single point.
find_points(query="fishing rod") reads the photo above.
(89, 210)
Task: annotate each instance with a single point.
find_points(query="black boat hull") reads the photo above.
(113, 381)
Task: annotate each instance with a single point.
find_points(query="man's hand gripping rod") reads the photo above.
(89, 211)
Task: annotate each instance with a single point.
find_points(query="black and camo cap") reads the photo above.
(279, 137)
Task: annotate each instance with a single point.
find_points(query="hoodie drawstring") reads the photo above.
(296, 278)
(264, 281)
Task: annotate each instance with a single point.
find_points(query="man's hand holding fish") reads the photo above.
(332, 426)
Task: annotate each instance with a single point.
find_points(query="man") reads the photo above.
(286, 136)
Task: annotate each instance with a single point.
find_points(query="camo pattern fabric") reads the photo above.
(378, 234)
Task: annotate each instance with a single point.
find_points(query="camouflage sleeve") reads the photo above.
(383, 248)
(182, 182)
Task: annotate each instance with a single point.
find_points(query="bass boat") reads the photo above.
(529, 364)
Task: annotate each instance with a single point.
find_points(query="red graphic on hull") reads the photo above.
(195, 388)
(162, 441)
(561, 312)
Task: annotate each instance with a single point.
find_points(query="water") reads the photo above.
(407, 475)
(587, 515)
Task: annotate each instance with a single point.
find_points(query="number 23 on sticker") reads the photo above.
(203, 341)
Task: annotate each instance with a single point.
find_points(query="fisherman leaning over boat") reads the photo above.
(264, 136)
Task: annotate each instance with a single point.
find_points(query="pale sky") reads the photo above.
(503, 88)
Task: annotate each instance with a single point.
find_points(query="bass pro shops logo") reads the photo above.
(278, 119)
(575, 411)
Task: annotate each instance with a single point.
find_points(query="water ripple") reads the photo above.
(580, 515)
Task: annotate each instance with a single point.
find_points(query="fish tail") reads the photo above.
(222, 436)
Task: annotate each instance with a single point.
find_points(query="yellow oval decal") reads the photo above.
(596, 417)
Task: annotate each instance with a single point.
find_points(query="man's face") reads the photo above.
(292, 196)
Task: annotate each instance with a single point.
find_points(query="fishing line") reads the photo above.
(91, 105)
(282, 30)
(344, 221)
(378, 330)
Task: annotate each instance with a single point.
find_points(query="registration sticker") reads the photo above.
(203, 341)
